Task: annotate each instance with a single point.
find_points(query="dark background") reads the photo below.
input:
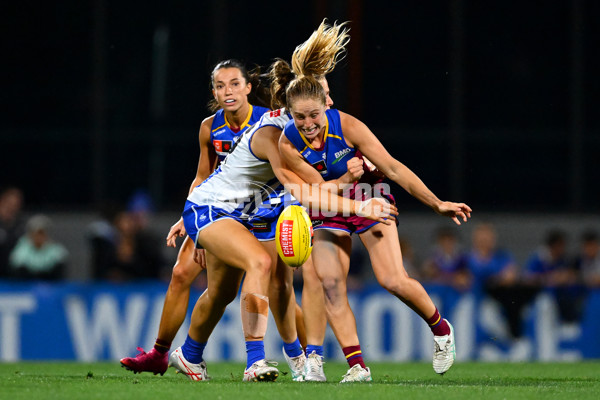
(494, 103)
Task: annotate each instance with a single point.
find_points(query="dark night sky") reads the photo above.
(517, 104)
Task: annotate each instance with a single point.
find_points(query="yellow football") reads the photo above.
(294, 235)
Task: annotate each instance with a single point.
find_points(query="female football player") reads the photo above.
(221, 214)
(232, 85)
(321, 144)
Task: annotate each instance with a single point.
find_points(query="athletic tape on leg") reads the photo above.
(255, 313)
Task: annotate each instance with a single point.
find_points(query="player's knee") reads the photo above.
(183, 276)
(334, 288)
(260, 264)
(280, 286)
(398, 286)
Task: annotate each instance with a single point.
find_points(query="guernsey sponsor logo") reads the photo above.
(339, 155)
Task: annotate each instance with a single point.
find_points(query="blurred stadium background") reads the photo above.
(492, 103)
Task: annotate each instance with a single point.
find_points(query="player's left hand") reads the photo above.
(456, 211)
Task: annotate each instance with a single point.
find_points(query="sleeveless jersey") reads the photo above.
(221, 135)
(330, 160)
(244, 184)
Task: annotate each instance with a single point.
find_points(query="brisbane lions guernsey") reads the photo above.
(332, 157)
(221, 134)
(330, 160)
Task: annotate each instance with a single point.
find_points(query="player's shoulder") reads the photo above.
(207, 123)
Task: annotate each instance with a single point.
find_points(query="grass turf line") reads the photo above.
(69, 380)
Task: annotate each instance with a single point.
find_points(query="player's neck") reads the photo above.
(237, 117)
(317, 142)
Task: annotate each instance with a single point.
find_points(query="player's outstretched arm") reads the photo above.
(359, 135)
(265, 142)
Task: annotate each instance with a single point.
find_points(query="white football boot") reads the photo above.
(296, 366)
(313, 368)
(261, 371)
(444, 351)
(195, 372)
(357, 374)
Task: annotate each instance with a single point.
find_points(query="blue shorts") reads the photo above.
(262, 225)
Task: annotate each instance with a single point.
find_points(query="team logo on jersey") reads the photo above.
(339, 155)
(320, 166)
(223, 146)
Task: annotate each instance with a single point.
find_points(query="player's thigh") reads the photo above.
(383, 245)
(331, 254)
(229, 241)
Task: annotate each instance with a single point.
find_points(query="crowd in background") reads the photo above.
(122, 248)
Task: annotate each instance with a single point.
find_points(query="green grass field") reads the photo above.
(62, 380)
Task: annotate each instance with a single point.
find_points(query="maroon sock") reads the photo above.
(162, 346)
(438, 325)
(354, 356)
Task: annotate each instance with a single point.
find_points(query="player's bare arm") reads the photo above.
(359, 135)
(206, 164)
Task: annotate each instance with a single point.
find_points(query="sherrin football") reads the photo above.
(293, 235)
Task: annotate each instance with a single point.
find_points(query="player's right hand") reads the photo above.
(355, 168)
(177, 230)
(376, 209)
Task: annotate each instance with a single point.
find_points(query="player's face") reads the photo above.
(328, 99)
(309, 117)
(230, 89)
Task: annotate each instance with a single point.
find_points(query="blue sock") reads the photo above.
(317, 349)
(255, 351)
(192, 350)
(293, 349)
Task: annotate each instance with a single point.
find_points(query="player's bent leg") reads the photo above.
(184, 273)
(282, 299)
(174, 310)
(232, 243)
(331, 259)
(282, 302)
(384, 250)
(381, 241)
(223, 284)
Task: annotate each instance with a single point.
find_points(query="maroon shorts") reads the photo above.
(353, 224)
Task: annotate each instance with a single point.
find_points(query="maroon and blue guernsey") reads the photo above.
(331, 161)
